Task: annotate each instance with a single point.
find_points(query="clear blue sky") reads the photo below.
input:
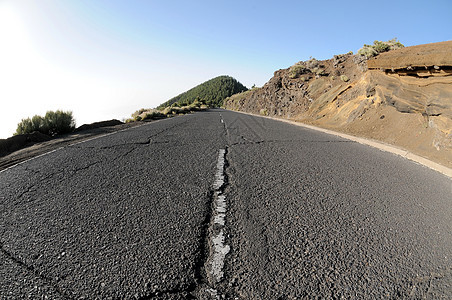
(106, 59)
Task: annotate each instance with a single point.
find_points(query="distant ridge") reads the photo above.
(212, 92)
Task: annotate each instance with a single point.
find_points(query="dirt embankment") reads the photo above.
(402, 97)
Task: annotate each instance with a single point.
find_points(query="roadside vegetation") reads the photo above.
(53, 123)
(170, 111)
(311, 66)
(379, 47)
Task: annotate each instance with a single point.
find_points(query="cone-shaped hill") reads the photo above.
(211, 92)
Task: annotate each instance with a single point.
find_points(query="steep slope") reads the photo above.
(211, 92)
(402, 97)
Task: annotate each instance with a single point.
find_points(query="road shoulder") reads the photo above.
(373, 143)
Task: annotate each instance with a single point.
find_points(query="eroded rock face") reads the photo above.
(279, 97)
(287, 96)
(329, 101)
(427, 96)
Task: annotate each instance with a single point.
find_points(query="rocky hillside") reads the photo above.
(402, 97)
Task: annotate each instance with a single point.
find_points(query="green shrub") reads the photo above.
(176, 110)
(312, 63)
(36, 123)
(25, 126)
(296, 70)
(305, 67)
(367, 51)
(168, 110)
(53, 123)
(195, 106)
(196, 103)
(139, 112)
(318, 71)
(183, 110)
(379, 47)
(394, 44)
(59, 122)
(153, 115)
(264, 112)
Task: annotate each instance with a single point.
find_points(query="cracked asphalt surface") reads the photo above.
(309, 215)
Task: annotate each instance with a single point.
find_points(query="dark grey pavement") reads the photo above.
(313, 215)
(120, 216)
(129, 215)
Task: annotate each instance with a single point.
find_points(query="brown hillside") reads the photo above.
(401, 106)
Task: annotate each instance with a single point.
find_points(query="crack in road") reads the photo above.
(259, 225)
(21, 263)
(28, 190)
(78, 146)
(250, 142)
(147, 140)
(67, 172)
(114, 146)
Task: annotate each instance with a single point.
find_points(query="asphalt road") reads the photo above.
(224, 205)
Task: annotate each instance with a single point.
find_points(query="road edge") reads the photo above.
(373, 143)
(72, 144)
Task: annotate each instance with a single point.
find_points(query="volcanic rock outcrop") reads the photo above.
(402, 97)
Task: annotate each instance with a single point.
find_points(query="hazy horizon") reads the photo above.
(104, 60)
